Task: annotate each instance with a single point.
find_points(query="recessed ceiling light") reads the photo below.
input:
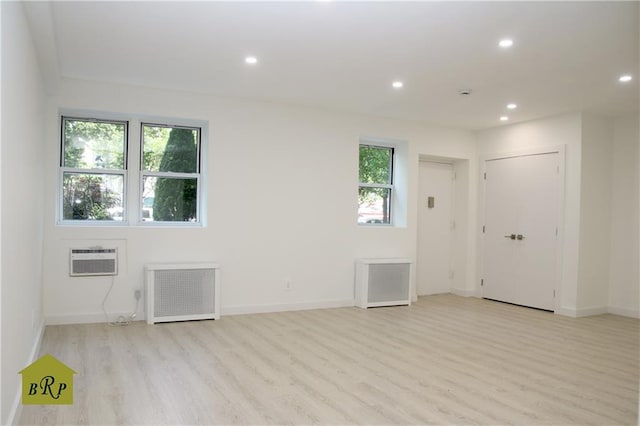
(397, 84)
(506, 42)
(625, 78)
(512, 106)
(251, 60)
(504, 118)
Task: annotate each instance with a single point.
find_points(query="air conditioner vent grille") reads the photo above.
(93, 261)
(92, 251)
(94, 267)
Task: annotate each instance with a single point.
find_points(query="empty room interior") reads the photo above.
(319, 212)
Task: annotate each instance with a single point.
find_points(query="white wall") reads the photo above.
(282, 203)
(623, 295)
(595, 215)
(22, 203)
(600, 229)
(554, 131)
(463, 249)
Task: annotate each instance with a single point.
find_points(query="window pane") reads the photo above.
(375, 164)
(94, 145)
(170, 199)
(167, 149)
(374, 205)
(87, 196)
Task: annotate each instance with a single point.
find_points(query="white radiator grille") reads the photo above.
(382, 282)
(180, 292)
(388, 281)
(184, 292)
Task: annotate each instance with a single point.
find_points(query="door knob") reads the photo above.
(520, 237)
(511, 237)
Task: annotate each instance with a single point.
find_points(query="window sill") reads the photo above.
(118, 224)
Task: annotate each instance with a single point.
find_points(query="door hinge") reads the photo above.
(482, 282)
(556, 231)
(483, 229)
(453, 176)
(485, 176)
(453, 225)
(558, 169)
(554, 294)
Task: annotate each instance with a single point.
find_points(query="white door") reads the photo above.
(522, 196)
(434, 228)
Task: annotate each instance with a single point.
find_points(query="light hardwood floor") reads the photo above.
(444, 360)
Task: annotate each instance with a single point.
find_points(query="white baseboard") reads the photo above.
(565, 312)
(89, 318)
(587, 312)
(225, 310)
(625, 312)
(301, 306)
(581, 312)
(16, 408)
(463, 292)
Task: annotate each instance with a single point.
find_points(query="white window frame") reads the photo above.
(147, 173)
(133, 176)
(377, 143)
(98, 171)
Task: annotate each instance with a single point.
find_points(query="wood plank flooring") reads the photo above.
(444, 360)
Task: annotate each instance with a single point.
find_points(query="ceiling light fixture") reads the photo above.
(625, 78)
(397, 84)
(512, 106)
(504, 118)
(506, 43)
(251, 60)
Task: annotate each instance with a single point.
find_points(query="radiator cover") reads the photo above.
(382, 282)
(182, 292)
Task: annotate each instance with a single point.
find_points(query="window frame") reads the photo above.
(62, 170)
(389, 186)
(176, 175)
(132, 203)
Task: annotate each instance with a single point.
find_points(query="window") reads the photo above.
(375, 190)
(93, 168)
(170, 173)
(97, 187)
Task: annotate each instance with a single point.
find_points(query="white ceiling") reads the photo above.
(567, 56)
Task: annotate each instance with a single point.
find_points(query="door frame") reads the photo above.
(501, 155)
(465, 213)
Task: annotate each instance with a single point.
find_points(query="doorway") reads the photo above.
(522, 205)
(435, 228)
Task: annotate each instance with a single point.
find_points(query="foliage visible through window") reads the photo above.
(94, 175)
(376, 184)
(93, 169)
(170, 173)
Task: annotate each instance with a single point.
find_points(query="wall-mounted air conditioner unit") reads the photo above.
(85, 262)
(382, 282)
(182, 292)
